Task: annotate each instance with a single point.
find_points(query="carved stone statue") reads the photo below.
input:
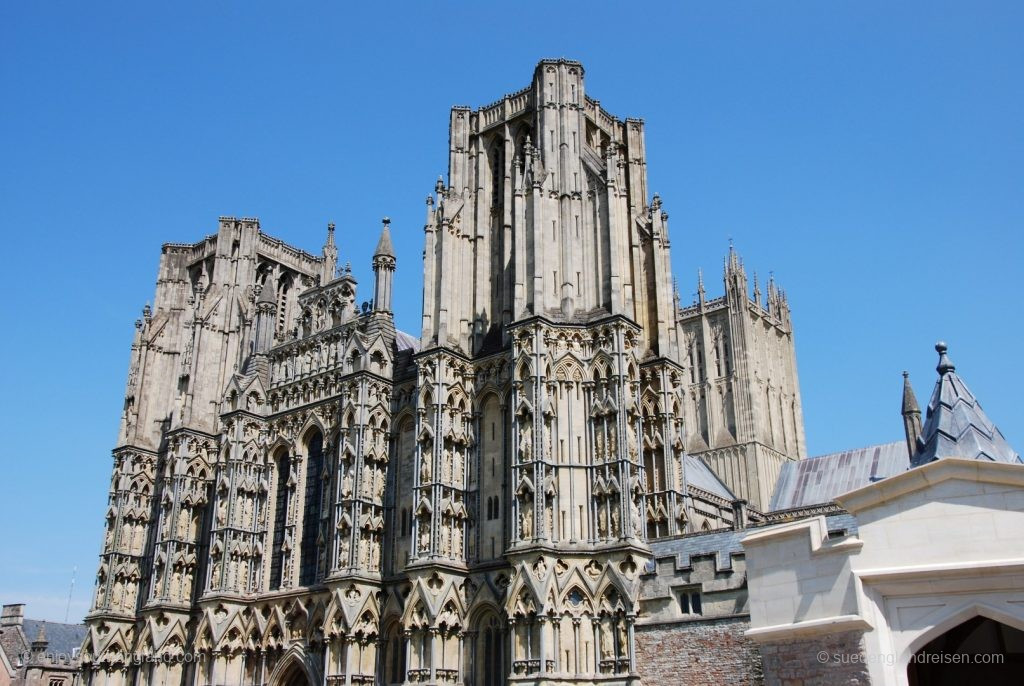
(343, 548)
(525, 441)
(635, 517)
(425, 459)
(527, 510)
(457, 539)
(424, 543)
(607, 640)
(222, 511)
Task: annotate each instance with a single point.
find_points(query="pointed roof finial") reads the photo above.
(330, 233)
(909, 399)
(945, 364)
(956, 426)
(384, 246)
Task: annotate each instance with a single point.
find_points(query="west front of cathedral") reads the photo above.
(545, 485)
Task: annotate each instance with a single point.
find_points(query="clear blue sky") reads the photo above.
(871, 154)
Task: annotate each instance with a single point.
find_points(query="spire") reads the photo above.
(956, 426)
(383, 269)
(911, 416)
(40, 643)
(330, 253)
(701, 294)
(267, 295)
(384, 246)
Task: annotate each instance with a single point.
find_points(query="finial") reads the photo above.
(384, 246)
(439, 186)
(348, 267)
(945, 365)
(330, 227)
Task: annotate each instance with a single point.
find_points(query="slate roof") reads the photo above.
(404, 341)
(819, 480)
(62, 638)
(698, 474)
(956, 426)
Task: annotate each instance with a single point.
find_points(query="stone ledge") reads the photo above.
(810, 627)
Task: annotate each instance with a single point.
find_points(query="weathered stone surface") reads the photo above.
(706, 652)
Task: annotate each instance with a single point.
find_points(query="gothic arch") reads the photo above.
(295, 668)
(958, 614)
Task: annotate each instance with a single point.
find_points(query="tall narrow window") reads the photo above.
(497, 172)
(311, 512)
(280, 517)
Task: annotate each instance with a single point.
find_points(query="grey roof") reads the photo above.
(700, 475)
(61, 638)
(723, 544)
(404, 341)
(818, 480)
(956, 426)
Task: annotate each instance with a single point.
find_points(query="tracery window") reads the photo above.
(312, 510)
(280, 517)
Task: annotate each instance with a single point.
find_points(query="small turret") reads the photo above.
(956, 426)
(383, 269)
(263, 331)
(40, 643)
(330, 254)
(911, 416)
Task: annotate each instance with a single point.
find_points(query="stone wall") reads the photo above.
(830, 660)
(703, 652)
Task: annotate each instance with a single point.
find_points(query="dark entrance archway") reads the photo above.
(292, 675)
(978, 652)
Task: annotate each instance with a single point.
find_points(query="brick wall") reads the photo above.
(709, 652)
(832, 660)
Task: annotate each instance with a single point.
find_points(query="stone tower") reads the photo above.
(304, 494)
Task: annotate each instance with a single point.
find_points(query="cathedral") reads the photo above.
(548, 484)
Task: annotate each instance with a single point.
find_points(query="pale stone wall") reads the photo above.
(935, 546)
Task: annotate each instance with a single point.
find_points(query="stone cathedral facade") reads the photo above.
(302, 494)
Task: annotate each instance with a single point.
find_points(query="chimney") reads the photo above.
(13, 615)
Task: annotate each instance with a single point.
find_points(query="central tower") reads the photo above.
(546, 214)
(547, 288)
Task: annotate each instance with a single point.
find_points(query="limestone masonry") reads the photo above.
(550, 483)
